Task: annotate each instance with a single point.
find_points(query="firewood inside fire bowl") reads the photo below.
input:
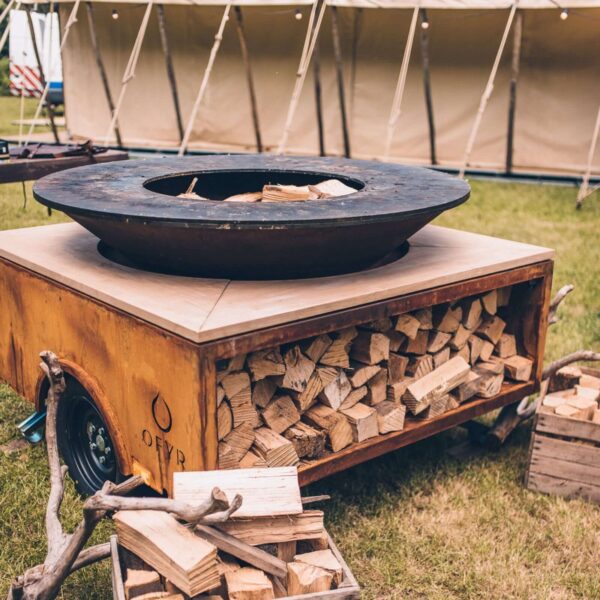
(184, 215)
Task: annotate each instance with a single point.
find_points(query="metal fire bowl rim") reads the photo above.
(117, 191)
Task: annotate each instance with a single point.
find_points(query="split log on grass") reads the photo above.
(339, 432)
(390, 416)
(307, 579)
(308, 441)
(370, 348)
(363, 421)
(266, 363)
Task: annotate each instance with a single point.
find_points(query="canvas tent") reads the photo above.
(556, 101)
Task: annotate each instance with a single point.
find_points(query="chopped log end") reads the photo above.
(307, 579)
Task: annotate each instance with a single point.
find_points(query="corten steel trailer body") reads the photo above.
(144, 346)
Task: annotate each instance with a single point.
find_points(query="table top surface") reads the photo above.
(203, 310)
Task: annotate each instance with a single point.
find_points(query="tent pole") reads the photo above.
(399, 93)
(70, 22)
(584, 190)
(358, 13)
(515, 65)
(204, 83)
(339, 67)
(164, 40)
(239, 24)
(38, 60)
(487, 92)
(427, 87)
(7, 27)
(312, 32)
(318, 98)
(100, 65)
(129, 73)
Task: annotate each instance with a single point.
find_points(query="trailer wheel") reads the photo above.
(84, 440)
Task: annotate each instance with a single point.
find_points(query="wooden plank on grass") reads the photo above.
(265, 492)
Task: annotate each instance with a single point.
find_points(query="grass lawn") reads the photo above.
(416, 523)
(10, 111)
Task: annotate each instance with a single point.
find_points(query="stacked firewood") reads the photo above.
(294, 403)
(271, 547)
(573, 394)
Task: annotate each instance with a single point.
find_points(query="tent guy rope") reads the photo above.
(584, 190)
(129, 73)
(205, 78)
(7, 28)
(400, 86)
(487, 92)
(312, 33)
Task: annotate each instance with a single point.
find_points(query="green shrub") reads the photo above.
(4, 80)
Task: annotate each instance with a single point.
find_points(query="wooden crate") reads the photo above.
(564, 455)
(123, 559)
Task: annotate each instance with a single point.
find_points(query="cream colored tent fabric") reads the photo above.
(557, 97)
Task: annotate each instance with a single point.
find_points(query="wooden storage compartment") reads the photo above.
(342, 396)
(122, 559)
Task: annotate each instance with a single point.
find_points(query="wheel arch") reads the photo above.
(109, 416)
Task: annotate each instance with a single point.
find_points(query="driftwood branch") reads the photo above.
(560, 296)
(66, 552)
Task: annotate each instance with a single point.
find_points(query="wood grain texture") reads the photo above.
(207, 309)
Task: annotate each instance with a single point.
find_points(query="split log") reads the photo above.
(337, 355)
(244, 412)
(139, 582)
(308, 442)
(447, 318)
(380, 325)
(363, 421)
(397, 340)
(490, 302)
(248, 584)
(471, 313)
(566, 410)
(435, 408)
(317, 347)
(418, 345)
(486, 350)
(518, 368)
(476, 344)
(377, 388)
(490, 382)
(286, 551)
(492, 329)
(586, 406)
(280, 414)
(339, 432)
(237, 384)
(325, 559)
(419, 366)
(370, 348)
(437, 340)
(220, 395)
(252, 461)
(390, 416)
(396, 367)
(266, 363)
(503, 296)
(439, 358)
(274, 449)
(307, 579)
(224, 420)
(362, 373)
(298, 369)
(434, 385)
(235, 445)
(565, 378)
(425, 318)
(460, 338)
(335, 393)
(587, 392)
(354, 396)
(464, 353)
(315, 385)
(506, 346)
(408, 325)
(308, 525)
(396, 391)
(467, 389)
(263, 391)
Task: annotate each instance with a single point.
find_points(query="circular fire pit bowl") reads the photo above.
(134, 208)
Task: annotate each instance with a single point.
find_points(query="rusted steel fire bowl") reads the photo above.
(133, 208)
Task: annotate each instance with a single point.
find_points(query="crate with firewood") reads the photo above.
(300, 402)
(564, 457)
(272, 546)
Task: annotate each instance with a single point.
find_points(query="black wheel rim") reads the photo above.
(90, 444)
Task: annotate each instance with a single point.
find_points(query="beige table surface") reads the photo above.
(208, 309)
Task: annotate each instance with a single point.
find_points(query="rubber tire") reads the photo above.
(75, 411)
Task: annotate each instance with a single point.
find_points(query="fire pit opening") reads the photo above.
(219, 185)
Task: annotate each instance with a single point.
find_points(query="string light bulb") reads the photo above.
(564, 14)
(115, 14)
(424, 19)
(298, 15)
